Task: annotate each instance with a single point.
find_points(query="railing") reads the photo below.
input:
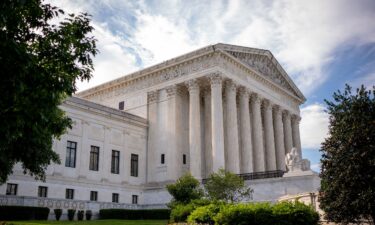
(258, 175)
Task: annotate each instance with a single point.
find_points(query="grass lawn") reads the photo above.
(92, 222)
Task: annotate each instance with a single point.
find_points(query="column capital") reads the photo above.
(286, 114)
(277, 108)
(215, 79)
(173, 90)
(255, 98)
(152, 96)
(243, 91)
(192, 85)
(266, 104)
(206, 91)
(296, 118)
(230, 86)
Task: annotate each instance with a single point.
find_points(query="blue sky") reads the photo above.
(321, 44)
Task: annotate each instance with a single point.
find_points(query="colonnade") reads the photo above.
(257, 141)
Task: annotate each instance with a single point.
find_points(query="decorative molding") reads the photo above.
(215, 79)
(255, 98)
(152, 96)
(296, 118)
(230, 86)
(192, 85)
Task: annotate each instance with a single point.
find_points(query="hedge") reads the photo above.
(23, 213)
(131, 214)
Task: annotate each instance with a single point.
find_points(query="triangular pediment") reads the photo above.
(263, 62)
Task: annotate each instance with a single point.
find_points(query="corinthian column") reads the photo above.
(245, 129)
(217, 130)
(279, 138)
(207, 132)
(287, 131)
(194, 129)
(231, 143)
(296, 135)
(259, 163)
(269, 136)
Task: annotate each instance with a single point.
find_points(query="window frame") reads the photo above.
(184, 159)
(115, 162)
(121, 105)
(69, 193)
(134, 164)
(12, 189)
(94, 158)
(69, 155)
(135, 199)
(162, 159)
(42, 191)
(115, 197)
(94, 196)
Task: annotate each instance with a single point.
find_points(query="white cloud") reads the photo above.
(314, 126)
(316, 167)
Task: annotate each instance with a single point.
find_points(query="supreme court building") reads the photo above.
(221, 106)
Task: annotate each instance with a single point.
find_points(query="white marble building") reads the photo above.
(221, 106)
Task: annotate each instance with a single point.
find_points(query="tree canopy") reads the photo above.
(226, 186)
(348, 157)
(40, 61)
(185, 189)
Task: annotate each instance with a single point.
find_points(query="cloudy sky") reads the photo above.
(321, 44)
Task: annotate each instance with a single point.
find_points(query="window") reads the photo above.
(94, 158)
(134, 165)
(134, 199)
(184, 159)
(162, 159)
(69, 194)
(121, 105)
(42, 192)
(115, 163)
(93, 196)
(11, 189)
(115, 197)
(71, 150)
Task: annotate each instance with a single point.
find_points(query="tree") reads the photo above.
(186, 189)
(348, 157)
(40, 62)
(227, 186)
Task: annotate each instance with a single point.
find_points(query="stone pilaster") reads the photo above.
(245, 132)
(152, 116)
(257, 132)
(207, 132)
(217, 122)
(296, 134)
(195, 129)
(231, 139)
(288, 142)
(269, 136)
(279, 138)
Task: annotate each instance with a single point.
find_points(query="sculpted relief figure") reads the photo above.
(294, 162)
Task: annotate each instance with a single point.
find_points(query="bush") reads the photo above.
(80, 214)
(58, 213)
(180, 212)
(88, 214)
(71, 213)
(205, 214)
(130, 214)
(23, 213)
(284, 213)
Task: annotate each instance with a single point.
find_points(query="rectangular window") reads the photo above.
(134, 165)
(12, 189)
(42, 192)
(134, 199)
(94, 158)
(69, 194)
(162, 159)
(184, 159)
(93, 196)
(71, 151)
(115, 197)
(115, 163)
(121, 105)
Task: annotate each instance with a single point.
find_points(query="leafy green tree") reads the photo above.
(348, 161)
(186, 189)
(227, 186)
(40, 60)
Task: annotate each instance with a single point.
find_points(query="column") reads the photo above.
(207, 132)
(245, 131)
(152, 157)
(279, 138)
(231, 139)
(194, 129)
(217, 125)
(257, 132)
(287, 131)
(296, 135)
(269, 136)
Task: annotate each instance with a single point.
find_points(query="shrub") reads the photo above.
(23, 213)
(295, 213)
(131, 214)
(71, 213)
(205, 214)
(180, 212)
(88, 214)
(58, 213)
(80, 214)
